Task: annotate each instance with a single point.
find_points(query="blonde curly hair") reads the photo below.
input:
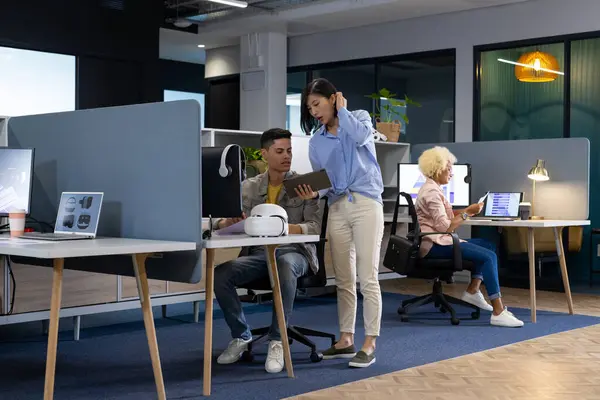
(433, 161)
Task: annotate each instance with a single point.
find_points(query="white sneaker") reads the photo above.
(506, 319)
(274, 363)
(234, 351)
(477, 300)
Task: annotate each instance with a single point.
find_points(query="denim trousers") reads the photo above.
(291, 265)
(482, 254)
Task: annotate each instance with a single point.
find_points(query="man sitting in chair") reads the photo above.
(293, 261)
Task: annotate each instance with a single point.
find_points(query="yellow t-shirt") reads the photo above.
(273, 193)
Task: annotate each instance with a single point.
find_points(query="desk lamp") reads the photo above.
(537, 173)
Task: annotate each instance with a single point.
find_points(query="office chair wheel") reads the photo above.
(455, 321)
(475, 314)
(443, 310)
(403, 318)
(247, 356)
(316, 357)
(400, 310)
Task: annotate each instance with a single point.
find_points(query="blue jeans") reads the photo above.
(482, 254)
(291, 265)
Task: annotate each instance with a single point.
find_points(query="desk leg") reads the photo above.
(53, 327)
(531, 251)
(563, 266)
(208, 320)
(139, 267)
(277, 301)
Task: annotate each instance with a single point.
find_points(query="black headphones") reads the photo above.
(224, 169)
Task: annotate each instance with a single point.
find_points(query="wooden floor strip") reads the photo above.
(559, 366)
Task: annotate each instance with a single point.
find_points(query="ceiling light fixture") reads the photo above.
(201, 46)
(233, 3)
(535, 66)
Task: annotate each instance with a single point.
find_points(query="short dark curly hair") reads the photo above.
(271, 135)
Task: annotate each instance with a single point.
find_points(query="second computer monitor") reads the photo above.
(222, 192)
(457, 191)
(16, 172)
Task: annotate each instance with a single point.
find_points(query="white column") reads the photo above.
(263, 81)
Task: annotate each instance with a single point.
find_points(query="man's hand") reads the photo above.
(340, 101)
(305, 192)
(225, 222)
(474, 209)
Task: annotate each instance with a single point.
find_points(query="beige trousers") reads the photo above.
(355, 235)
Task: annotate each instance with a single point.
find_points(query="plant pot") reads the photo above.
(390, 129)
(255, 167)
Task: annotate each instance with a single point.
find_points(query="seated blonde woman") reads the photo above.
(435, 214)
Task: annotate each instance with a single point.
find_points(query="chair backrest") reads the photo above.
(402, 253)
(321, 275)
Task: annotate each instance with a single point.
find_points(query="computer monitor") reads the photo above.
(16, 179)
(457, 191)
(222, 181)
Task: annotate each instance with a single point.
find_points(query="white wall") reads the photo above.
(222, 61)
(532, 19)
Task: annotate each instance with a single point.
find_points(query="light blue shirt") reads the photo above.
(349, 157)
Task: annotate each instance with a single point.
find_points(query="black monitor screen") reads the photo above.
(16, 171)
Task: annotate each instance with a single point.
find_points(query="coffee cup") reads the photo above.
(525, 210)
(16, 223)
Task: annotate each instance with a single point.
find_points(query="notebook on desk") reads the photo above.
(77, 217)
(501, 206)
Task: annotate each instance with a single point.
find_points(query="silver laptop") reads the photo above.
(501, 206)
(77, 217)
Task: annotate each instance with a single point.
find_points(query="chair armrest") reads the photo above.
(456, 253)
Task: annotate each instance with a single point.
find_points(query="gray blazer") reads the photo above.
(306, 213)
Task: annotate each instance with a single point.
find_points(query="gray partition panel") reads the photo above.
(146, 160)
(503, 166)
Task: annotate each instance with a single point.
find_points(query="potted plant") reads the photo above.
(255, 163)
(387, 117)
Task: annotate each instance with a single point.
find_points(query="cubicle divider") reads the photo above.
(146, 159)
(503, 166)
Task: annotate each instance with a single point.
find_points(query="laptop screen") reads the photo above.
(502, 204)
(78, 213)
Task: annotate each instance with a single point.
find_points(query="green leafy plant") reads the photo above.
(253, 154)
(391, 109)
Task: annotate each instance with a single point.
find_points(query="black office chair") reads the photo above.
(402, 256)
(305, 282)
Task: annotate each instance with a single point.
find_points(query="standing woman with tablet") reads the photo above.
(343, 145)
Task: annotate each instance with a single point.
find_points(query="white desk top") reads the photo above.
(87, 247)
(535, 223)
(242, 240)
(528, 223)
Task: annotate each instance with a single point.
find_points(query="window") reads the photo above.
(584, 106)
(172, 95)
(427, 78)
(296, 81)
(356, 82)
(33, 82)
(428, 81)
(510, 108)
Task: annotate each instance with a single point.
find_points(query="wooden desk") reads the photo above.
(558, 226)
(58, 251)
(232, 241)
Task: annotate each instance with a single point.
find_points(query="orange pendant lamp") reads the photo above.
(537, 66)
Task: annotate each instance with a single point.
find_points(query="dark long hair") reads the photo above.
(321, 87)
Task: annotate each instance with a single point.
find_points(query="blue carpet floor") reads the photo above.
(113, 362)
